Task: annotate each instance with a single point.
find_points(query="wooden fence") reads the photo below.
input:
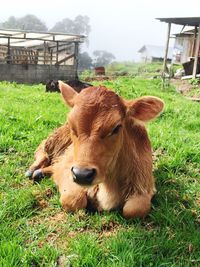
(24, 56)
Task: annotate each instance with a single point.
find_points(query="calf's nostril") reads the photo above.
(83, 175)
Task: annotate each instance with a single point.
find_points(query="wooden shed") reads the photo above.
(33, 57)
(183, 46)
(193, 55)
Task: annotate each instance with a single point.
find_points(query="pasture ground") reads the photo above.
(34, 230)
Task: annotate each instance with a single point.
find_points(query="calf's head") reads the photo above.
(97, 124)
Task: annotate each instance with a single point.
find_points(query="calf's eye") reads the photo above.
(116, 129)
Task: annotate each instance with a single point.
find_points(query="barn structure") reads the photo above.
(183, 46)
(34, 57)
(154, 53)
(192, 65)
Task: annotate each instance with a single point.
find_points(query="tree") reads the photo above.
(28, 22)
(11, 23)
(85, 61)
(31, 22)
(80, 25)
(66, 25)
(102, 58)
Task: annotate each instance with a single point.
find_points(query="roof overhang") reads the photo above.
(31, 38)
(142, 49)
(185, 21)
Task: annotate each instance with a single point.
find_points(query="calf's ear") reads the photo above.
(68, 93)
(145, 108)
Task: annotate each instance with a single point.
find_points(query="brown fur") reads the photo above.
(123, 160)
(50, 149)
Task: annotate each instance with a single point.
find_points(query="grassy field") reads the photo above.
(131, 69)
(135, 69)
(34, 230)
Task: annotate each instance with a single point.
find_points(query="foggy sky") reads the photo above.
(120, 27)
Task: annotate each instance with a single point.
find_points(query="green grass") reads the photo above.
(34, 231)
(133, 69)
(142, 70)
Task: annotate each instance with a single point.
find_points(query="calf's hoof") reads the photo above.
(29, 174)
(38, 175)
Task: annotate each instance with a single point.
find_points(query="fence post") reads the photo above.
(196, 54)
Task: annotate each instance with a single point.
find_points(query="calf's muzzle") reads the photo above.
(83, 176)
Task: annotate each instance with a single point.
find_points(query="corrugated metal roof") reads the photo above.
(156, 51)
(31, 38)
(187, 21)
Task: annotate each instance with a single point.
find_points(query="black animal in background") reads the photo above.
(52, 85)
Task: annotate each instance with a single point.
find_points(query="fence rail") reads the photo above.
(33, 56)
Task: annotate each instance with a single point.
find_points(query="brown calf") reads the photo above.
(102, 156)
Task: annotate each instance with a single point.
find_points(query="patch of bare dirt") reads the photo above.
(184, 87)
(197, 201)
(195, 98)
(52, 220)
(49, 192)
(98, 78)
(42, 197)
(59, 217)
(156, 154)
(65, 261)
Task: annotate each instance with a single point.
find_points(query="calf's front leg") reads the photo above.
(137, 206)
(41, 161)
(72, 196)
